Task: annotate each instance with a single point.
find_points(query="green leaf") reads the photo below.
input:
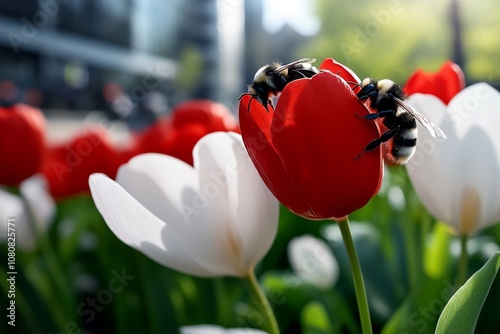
(420, 310)
(437, 252)
(398, 322)
(314, 319)
(462, 311)
(380, 285)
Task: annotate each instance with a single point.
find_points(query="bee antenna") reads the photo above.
(356, 84)
(360, 155)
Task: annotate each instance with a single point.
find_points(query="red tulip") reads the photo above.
(130, 149)
(191, 120)
(157, 138)
(444, 84)
(343, 71)
(22, 142)
(184, 140)
(306, 149)
(69, 165)
(194, 119)
(212, 115)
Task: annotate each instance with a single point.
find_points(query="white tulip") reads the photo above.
(36, 211)
(214, 219)
(35, 190)
(458, 179)
(313, 261)
(212, 329)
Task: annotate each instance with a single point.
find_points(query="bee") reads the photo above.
(271, 79)
(386, 98)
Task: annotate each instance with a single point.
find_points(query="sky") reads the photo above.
(299, 14)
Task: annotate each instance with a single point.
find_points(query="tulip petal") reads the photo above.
(42, 205)
(22, 142)
(256, 130)
(450, 176)
(244, 331)
(431, 163)
(137, 227)
(342, 71)
(444, 84)
(224, 167)
(212, 115)
(479, 137)
(148, 178)
(313, 261)
(169, 188)
(452, 78)
(254, 207)
(202, 329)
(212, 329)
(12, 210)
(321, 138)
(69, 165)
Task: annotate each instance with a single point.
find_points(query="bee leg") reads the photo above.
(266, 104)
(249, 103)
(380, 114)
(366, 92)
(377, 142)
(269, 103)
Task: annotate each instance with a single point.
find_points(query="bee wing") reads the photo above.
(302, 60)
(433, 129)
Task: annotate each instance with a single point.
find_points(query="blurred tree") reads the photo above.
(480, 33)
(393, 38)
(456, 24)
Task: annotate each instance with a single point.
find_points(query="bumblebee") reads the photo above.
(386, 98)
(271, 79)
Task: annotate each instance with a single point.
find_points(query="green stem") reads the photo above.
(220, 292)
(270, 325)
(463, 262)
(55, 270)
(413, 262)
(357, 276)
(25, 308)
(339, 306)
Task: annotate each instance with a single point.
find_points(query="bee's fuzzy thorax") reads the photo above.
(271, 79)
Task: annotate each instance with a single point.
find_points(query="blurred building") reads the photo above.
(139, 54)
(263, 46)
